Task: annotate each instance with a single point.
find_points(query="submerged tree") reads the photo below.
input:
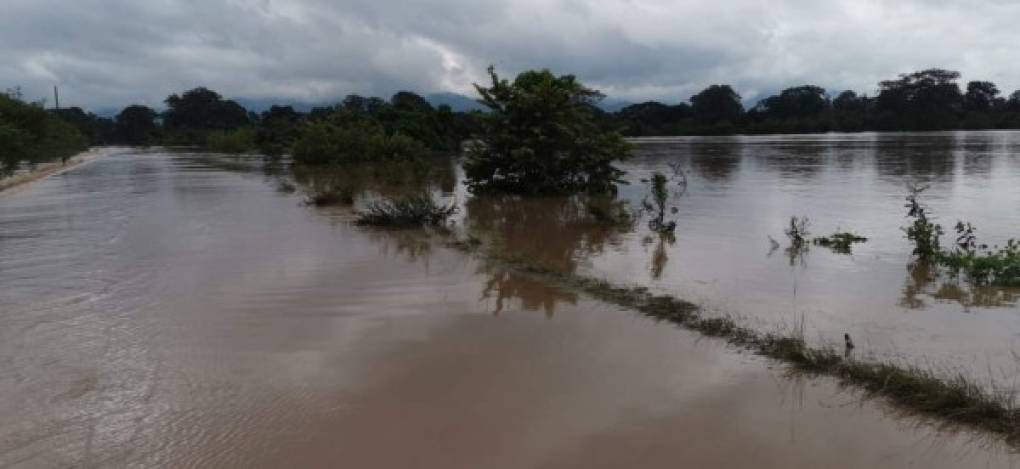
(540, 137)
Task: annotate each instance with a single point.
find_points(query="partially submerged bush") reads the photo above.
(409, 211)
(660, 195)
(923, 232)
(841, 242)
(328, 197)
(351, 139)
(608, 211)
(797, 232)
(980, 264)
(986, 266)
(231, 141)
(540, 137)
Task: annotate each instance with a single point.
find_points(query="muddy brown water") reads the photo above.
(162, 310)
(742, 190)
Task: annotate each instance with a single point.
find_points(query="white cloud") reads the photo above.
(114, 52)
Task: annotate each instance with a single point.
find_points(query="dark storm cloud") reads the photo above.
(112, 52)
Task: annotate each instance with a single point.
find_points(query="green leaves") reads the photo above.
(540, 137)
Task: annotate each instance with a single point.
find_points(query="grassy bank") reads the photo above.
(956, 400)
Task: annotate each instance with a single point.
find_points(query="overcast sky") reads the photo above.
(109, 53)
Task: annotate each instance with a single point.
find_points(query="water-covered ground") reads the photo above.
(742, 190)
(176, 310)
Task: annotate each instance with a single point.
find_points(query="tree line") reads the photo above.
(29, 134)
(406, 124)
(921, 101)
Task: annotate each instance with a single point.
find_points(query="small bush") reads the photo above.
(339, 142)
(328, 197)
(922, 232)
(233, 141)
(841, 242)
(609, 212)
(797, 232)
(986, 267)
(410, 211)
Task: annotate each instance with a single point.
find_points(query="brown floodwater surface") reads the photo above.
(164, 309)
(740, 191)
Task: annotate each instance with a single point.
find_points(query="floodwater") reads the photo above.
(171, 310)
(742, 190)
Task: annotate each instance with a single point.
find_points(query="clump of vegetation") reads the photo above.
(231, 141)
(29, 134)
(329, 197)
(286, 187)
(797, 232)
(350, 139)
(922, 232)
(609, 212)
(540, 136)
(410, 211)
(660, 194)
(980, 264)
(840, 242)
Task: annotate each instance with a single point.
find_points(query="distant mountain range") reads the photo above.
(457, 102)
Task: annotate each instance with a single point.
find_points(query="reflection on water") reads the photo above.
(742, 191)
(923, 282)
(556, 233)
(160, 310)
(505, 285)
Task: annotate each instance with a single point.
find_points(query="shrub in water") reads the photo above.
(232, 141)
(409, 211)
(540, 137)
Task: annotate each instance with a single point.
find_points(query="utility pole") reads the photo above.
(56, 97)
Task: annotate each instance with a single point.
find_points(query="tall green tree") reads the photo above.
(136, 125)
(925, 100)
(540, 137)
(717, 104)
(199, 111)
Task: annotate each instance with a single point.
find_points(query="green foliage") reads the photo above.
(193, 114)
(29, 134)
(278, 128)
(136, 125)
(606, 210)
(232, 141)
(979, 263)
(540, 137)
(410, 211)
(97, 130)
(797, 232)
(840, 242)
(332, 196)
(350, 139)
(922, 232)
(717, 104)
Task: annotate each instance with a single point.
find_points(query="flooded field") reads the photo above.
(179, 310)
(742, 190)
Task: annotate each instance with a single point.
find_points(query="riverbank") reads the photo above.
(49, 169)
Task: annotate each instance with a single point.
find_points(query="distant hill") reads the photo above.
(613, 104)
(261, 105)
(457, 102)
